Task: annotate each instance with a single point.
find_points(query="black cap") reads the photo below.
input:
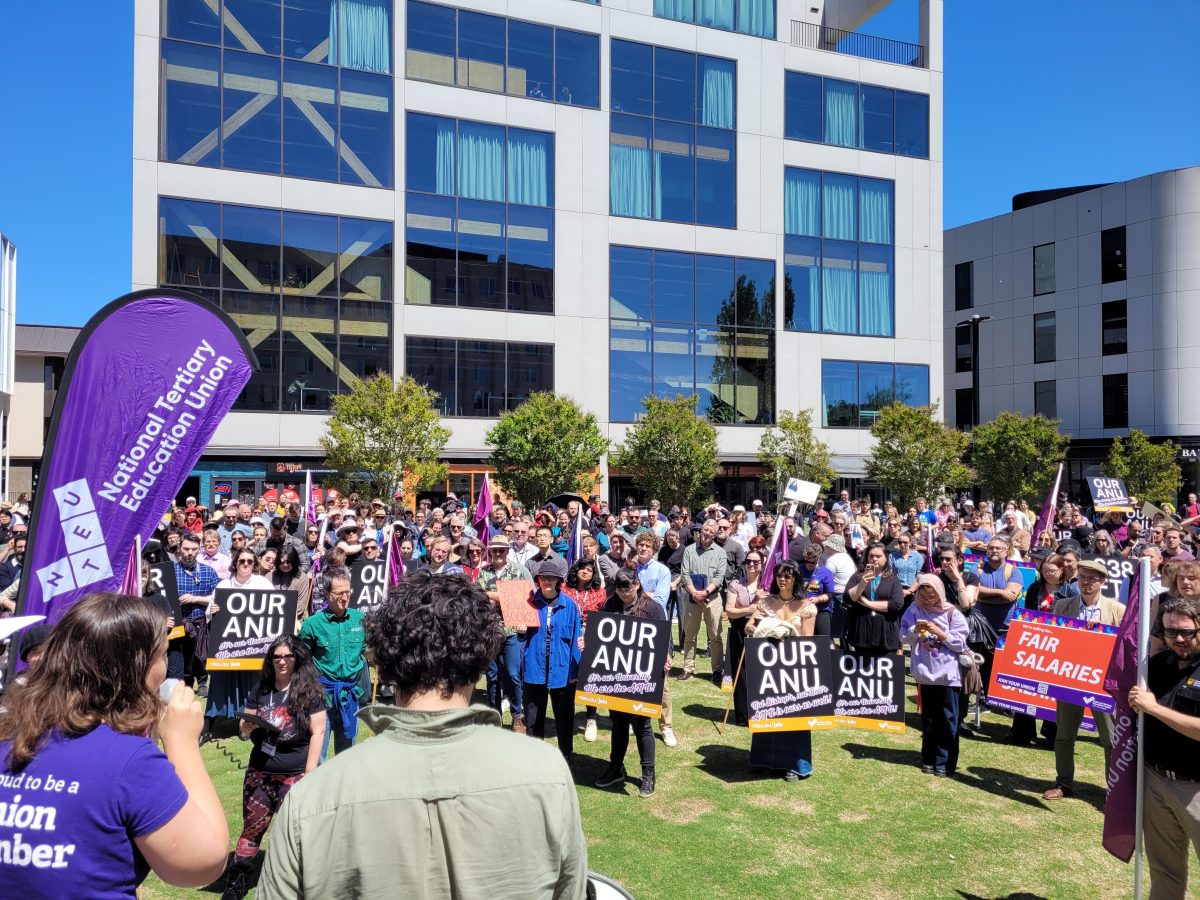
(33, 637)
(277, 522)
(1040, 554)
(1070, 546)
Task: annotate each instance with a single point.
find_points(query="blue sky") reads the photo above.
(1038, 95)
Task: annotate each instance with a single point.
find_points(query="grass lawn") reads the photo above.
(868, 823)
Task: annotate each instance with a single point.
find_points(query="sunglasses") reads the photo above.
(283, 657)
(1186, 634)
(245, 562)
(753, 562)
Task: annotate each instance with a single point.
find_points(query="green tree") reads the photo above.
(1016, 457)
(1150, 470)
(383, 431)
(790, 449)
(671, 452)
(545, 446)
(916, 455)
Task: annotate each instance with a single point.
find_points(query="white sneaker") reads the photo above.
(669, 737)
(589, 730)
(504, 705)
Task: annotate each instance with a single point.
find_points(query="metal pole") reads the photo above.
(1143, 660)
(974, 320)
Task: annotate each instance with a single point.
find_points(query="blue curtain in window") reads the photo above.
(674, 9)
(530, 167)
(629, 181)
(444, 157)
(876, 299)
(841, 108)
(715, 13)
(716, 92)
(480, 161)
(840, 202)
(802, 202)
(366, 35)
(756, 17)
(838, 301)
(875, 202)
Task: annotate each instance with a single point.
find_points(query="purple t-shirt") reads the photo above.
(71, 815)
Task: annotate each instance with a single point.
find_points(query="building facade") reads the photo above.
(8, 358)
(738, 199)
(40, 353)
(1089, 306)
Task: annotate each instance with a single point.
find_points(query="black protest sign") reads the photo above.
(1120, 574)
(790, 686)
(162, 582)
(245, 624)
(623, 664)
(368, 583)
(868, 692)
(1109, 494)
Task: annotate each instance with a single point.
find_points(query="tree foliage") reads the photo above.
(790, 449)
(1016, 457)
(915, 455)
(1150, 470)
(671, 452)
(545, 446)
(382, 431)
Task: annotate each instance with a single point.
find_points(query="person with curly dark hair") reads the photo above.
(289, 696)
(428, 807)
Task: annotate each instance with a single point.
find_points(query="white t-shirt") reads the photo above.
(843, 569)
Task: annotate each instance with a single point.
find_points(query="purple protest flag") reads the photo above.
(310, 509)
(1120, 810)
(1049, 511)
(575, 544)
(395, 559)
(149, 379)
(930, 567)
(131, 584)
(483, 509)
(778, 550)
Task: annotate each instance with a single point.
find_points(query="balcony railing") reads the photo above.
(868, 46)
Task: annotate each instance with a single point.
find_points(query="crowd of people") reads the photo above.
(938, 582)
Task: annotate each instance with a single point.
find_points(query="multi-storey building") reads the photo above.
(1086, 302)
(739, 199)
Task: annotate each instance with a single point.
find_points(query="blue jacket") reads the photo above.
(566, 627)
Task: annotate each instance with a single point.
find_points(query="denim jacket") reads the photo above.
(565, 628)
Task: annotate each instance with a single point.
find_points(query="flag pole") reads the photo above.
(1143, 663)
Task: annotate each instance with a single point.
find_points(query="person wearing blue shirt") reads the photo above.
(975, 536)
(653, 575)
(197, 584)
(907, 564)
(924, 513)
(550, 655)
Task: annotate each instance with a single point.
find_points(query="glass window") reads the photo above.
(754, 355)
(1112, 254)
(1116, 400)
(629, 369)
(481, 379)
(680, 10)
(802, 107)
(1043, 269)
(310, 120)
(189, 232)
(912, 385)
(431, 271)
(802, 202)
(306, 30)
(839, 282)
(717, 92)
(366, 129)
(875, 279)
(250, 131)
(1044, 337)
(964, 408)
(839, 394)
(839, 200)
(912, 124)
(674, 85)
(309, 356)
(964, 285)
(630, 166)
(258, 317)
(429, 154)
(716, 178)
(841, 113)
(630, 284)
(755, 301)
(310, 252)
(530, 369)
(431, 361)
(191, 20)
(674, 363)
(365, 264)
(365, 35)
(875, 210)
(716, 374)
(481, 263)
(481, 51)
(530, 259)
(1114, 324)
(964, 353)
(250, 248)
(481, 161)
(432, 38)
(577, 68)
(802, 284)
(530, 167)
(364, 339)
(191, 104)
(253, 25)
(1045, 399)
(715, 298)
(530, 60)
(876, 123)
(674, 171)
(674, 286)
(756, 17)
(876, 389)
(632, 78)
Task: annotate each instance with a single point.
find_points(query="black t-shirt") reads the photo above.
(1166, 747)
(970, 579)
(291, 744)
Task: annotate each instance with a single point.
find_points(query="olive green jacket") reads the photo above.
(435, 805)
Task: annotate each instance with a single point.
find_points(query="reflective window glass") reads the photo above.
(875, 279)
(674, 171)
(481, 254)
(841, 113)
(802, 284)
(430, 274)
(191, 104)
(674, 85)
(309, 354)
(365, 260)
(310, 253)
(674, 363)
(258, 317)
(253, 25)
(306, 30)
(630, 166)
(481, 51)
(366, 133)
(530, 259)
(754, 356)
(530, 60)
(250, 248)
(481, 378)
(912, 385)
(1043, 269)
(431, 361)
(912, 124)
(877, 108)
(839, 287)
(629, 369)
(674, 286)
(802, 107)
(250, 131)
(429, 154)
(310, 119)
(714, 290)
(630, 283)
(364, 338)
(716, 382)
(190, 20)
(755, 293)
(530, 369)
(839, 394)
(875, 391)
(632, 73)
(839, 201)
(716, 178)
(432, 42)
(577, 68)
(189, 233)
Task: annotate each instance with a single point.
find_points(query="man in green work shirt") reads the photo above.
(504, 672)
(335, 637)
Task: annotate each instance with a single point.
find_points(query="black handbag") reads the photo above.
(981, 636)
